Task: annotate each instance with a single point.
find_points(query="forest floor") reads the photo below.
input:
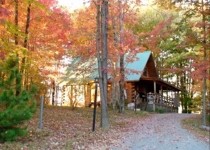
(66, 129)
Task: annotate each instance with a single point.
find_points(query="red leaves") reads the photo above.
(3, 13)
(49, 3)
(2, 55)
(129, 41)
(200, 70)
(156, 35)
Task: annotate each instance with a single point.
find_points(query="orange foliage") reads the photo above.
(48, 38)
(84, 33)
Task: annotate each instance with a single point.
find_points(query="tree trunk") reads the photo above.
(25, 44)
(53, 92)
(18, 86)
(16, 21)
(122, 71)
(104, 26)
(204, 87)
(102, 52)
(122, 82)
(115, 73)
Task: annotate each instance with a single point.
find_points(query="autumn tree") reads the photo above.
(102, 57)
(28, 51)
(190, 38)
(199, 40)
(204, 9)
(122, 15)
(122, 66)
(32, 32)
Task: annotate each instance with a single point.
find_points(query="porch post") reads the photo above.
(155, 92)
(161, 92)
(161, 96)
(155, 89)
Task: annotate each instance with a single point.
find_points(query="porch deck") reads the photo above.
(157, 103)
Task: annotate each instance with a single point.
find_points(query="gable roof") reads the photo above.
(80, 71)
(135, 69)
(83, 70)
(141, 67)
(86, 70)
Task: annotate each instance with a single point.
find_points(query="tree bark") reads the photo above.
(53, 92)
(27, 25)
(122, 70)
(115, 73)
(102, 54)
(16, 21)
(104, 20)
(18, 79)
(204, 86)
(25, 44)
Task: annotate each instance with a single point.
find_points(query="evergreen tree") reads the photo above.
(16, 105)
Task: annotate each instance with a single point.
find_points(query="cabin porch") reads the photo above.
(152, 94)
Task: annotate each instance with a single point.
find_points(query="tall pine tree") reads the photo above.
(15, 108)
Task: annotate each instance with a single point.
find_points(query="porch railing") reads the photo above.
(163, 102)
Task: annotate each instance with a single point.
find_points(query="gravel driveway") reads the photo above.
(161, 132)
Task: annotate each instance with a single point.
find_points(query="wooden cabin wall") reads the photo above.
(150, 70)
(130, 89)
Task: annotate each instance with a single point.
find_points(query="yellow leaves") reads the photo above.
(20, 50)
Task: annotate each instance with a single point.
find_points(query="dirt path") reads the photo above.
(161, 132)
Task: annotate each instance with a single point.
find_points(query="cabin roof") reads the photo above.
(135, 68)
(87, 70)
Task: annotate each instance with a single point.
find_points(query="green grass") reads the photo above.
(160, 110)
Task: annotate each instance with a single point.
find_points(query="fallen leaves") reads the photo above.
(68, 129)
(192, 124)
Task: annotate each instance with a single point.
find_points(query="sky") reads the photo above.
(72, 4)
(76, 4)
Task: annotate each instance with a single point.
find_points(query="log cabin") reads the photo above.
(146, 88)
(142, 85)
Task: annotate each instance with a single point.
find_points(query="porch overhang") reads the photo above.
(161, 84)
